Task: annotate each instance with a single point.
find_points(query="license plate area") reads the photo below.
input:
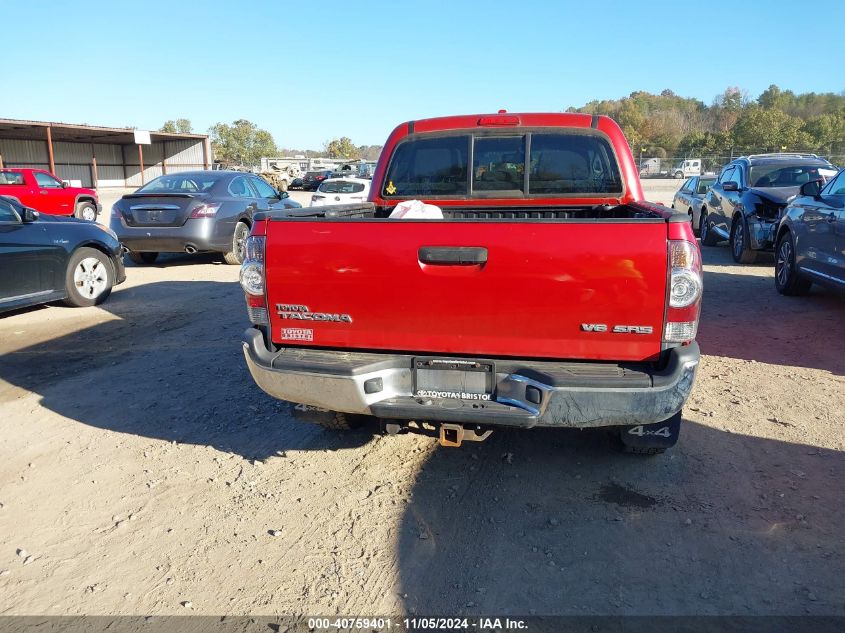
(454, 378)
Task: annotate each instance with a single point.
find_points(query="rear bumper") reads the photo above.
(528, 393)
(197, 233)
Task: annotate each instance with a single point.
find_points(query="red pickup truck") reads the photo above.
(548, 294)
(43, 192)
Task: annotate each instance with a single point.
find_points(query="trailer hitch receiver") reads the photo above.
(455, 434)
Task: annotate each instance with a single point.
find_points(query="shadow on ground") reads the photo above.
(743, 316)
(550, 522)
(170, 367)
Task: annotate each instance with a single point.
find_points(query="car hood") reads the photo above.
(778, 195)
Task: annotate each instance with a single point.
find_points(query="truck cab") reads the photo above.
(686, 168)
(44, 192)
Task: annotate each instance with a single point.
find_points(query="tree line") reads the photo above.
(243, 143)
(668, 125)
(664, 125)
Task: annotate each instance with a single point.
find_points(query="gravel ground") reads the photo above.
(143, 471)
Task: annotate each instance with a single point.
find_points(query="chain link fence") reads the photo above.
(681, 166)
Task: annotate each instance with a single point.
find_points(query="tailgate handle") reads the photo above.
(453, 255)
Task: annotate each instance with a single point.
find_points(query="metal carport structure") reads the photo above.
(99, 156)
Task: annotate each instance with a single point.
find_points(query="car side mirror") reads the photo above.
(283, 195)
(730, 186)
(64, 184)
(812, 188)
(30, 215)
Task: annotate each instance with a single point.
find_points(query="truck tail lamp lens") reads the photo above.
(681, 331)
(252, 280)
(207, 210)
(685, 289)
(685, 274)
(252, 268)
(256, 309)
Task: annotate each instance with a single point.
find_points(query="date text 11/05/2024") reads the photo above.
(417, 624)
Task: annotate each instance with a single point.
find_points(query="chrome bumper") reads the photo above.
(528, 393)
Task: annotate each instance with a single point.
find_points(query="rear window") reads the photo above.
(177, 183)
(556, 164)
(572, 164)
(341, 186)
(11, 178)
(429, 167)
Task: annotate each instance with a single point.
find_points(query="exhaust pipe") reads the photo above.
(190, 249)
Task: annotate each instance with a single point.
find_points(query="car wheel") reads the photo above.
(236, 255)
(788, 280)
(86, 211)
(143, 258)
(89, 278)
(708, 237)
(740, 251)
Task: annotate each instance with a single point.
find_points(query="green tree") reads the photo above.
(182, 126)
(241, 143)
(769, 129)
(341, 148)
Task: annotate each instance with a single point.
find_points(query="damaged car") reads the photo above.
(746, 202)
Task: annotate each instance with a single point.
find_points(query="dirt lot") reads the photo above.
(142, 471)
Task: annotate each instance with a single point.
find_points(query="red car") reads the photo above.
(42, 191)
(543, 292)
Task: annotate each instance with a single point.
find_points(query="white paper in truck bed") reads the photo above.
(416, 210)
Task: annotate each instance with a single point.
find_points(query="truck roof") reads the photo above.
(501, 120)
(508, 123)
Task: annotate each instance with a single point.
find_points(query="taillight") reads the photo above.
(685, 288)
(206, 210)
(115, 212)
(252, 280)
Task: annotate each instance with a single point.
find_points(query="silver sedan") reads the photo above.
(690, 197)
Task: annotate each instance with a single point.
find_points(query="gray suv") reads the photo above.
(746, 202)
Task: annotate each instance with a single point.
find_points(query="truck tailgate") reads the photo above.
(490, 288)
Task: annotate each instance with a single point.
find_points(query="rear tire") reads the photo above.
(788, 280)
(345, 421)
(740, 251)
(235, 257)
(143, 258)
(89, 278)
(86, 211)
(708, 237)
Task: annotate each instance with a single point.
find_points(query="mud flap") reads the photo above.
(659, 435)
(314, 415)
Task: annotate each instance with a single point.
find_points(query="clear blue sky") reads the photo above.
(357, 68)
